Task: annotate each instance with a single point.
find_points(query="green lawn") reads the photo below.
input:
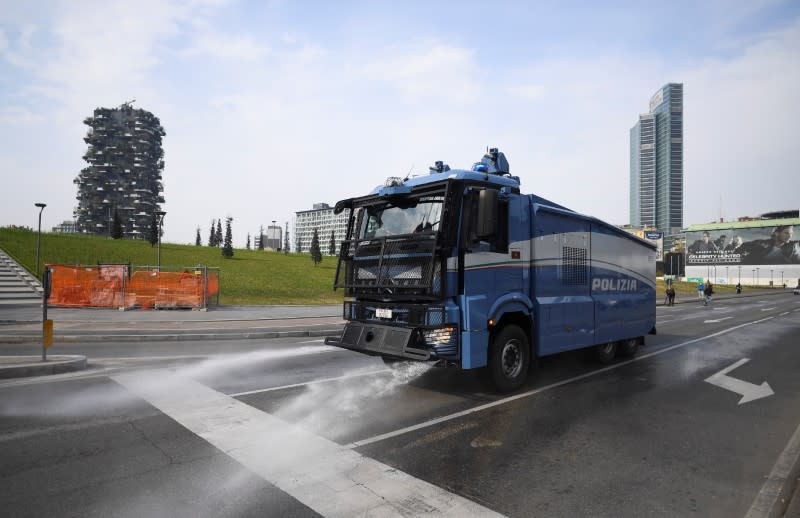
(250, 277)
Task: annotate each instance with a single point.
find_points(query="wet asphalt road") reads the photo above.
(649, 437)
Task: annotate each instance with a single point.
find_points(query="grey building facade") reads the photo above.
(656, 163)
(322, 219)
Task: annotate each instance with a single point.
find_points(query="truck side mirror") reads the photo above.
(487, 213)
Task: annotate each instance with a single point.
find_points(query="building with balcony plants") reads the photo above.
(125, 161)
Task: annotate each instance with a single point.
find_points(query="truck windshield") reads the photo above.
(407, 217)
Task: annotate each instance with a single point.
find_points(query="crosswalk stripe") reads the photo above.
(329, 478)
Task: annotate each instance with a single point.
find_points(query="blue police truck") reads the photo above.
(460, 268)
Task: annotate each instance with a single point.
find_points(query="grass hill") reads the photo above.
(250, 277)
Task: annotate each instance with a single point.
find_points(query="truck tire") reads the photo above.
(509, 358)
(628, 348)
(604, 353)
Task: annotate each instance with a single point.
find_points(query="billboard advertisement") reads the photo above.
(744, 246)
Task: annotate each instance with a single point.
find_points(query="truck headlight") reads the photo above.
(442, 336)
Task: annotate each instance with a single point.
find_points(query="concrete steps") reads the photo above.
(17, 286)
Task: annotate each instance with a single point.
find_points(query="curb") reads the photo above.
(76, 338)
(57, 364)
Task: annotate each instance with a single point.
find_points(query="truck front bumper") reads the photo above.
(380, 340)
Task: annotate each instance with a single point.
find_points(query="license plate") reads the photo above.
(383, 313)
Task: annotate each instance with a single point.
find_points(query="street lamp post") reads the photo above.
(39, 234)
(160, 215)
(757, 275)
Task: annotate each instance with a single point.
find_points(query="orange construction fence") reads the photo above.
(115, 286)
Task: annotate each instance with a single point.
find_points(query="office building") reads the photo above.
(656, 164)
(321, 218)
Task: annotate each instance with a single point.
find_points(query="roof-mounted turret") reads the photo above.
(493, 162)
(439, 167)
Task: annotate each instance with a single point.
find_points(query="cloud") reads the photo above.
(226, 47)
(13, 115)
(426, 70)
(741, 128)
(528, 92)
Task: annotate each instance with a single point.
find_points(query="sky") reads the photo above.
(272, 106)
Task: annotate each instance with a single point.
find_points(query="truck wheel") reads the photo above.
(509, 359)
(604, 353)
(628, 348)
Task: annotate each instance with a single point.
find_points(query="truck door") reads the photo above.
(486, 271)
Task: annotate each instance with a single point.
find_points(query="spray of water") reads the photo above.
(336, 409)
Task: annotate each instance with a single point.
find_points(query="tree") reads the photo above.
(286, 240)
(116, 226)
(332, 244)
(212, 236)
(218, 238)
(248, 241)
(316, 253)
(197, 241)
(152, 236)
(227, 248)
(261, 237)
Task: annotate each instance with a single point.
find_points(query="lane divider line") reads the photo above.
(326, 477)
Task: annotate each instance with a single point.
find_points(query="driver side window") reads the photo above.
(497, 243)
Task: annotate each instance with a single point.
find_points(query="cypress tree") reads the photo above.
(261, 237)
(332, 244)
(152, 236)
(218, 237)
(248, 241)
(227, 248)
(316, 253)
(212, 236)
(197, 241)
(116, 226)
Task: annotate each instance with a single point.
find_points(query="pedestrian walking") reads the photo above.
(670, 295)
(708, 291)
(738, 288)
(700, 290)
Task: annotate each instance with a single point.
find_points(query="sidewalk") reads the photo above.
(24, 323)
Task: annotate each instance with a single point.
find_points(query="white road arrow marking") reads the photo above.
(749, 391)
(716, 320)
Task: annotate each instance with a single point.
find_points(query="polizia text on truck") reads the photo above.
(458, 267)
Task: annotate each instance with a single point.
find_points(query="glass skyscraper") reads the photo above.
(657, 163)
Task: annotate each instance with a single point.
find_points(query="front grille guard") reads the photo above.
(405, 315)
(390, 266)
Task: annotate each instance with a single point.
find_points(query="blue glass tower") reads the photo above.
(656, 156)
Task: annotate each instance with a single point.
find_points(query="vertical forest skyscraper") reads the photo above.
(125, 160)
(657, 163)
